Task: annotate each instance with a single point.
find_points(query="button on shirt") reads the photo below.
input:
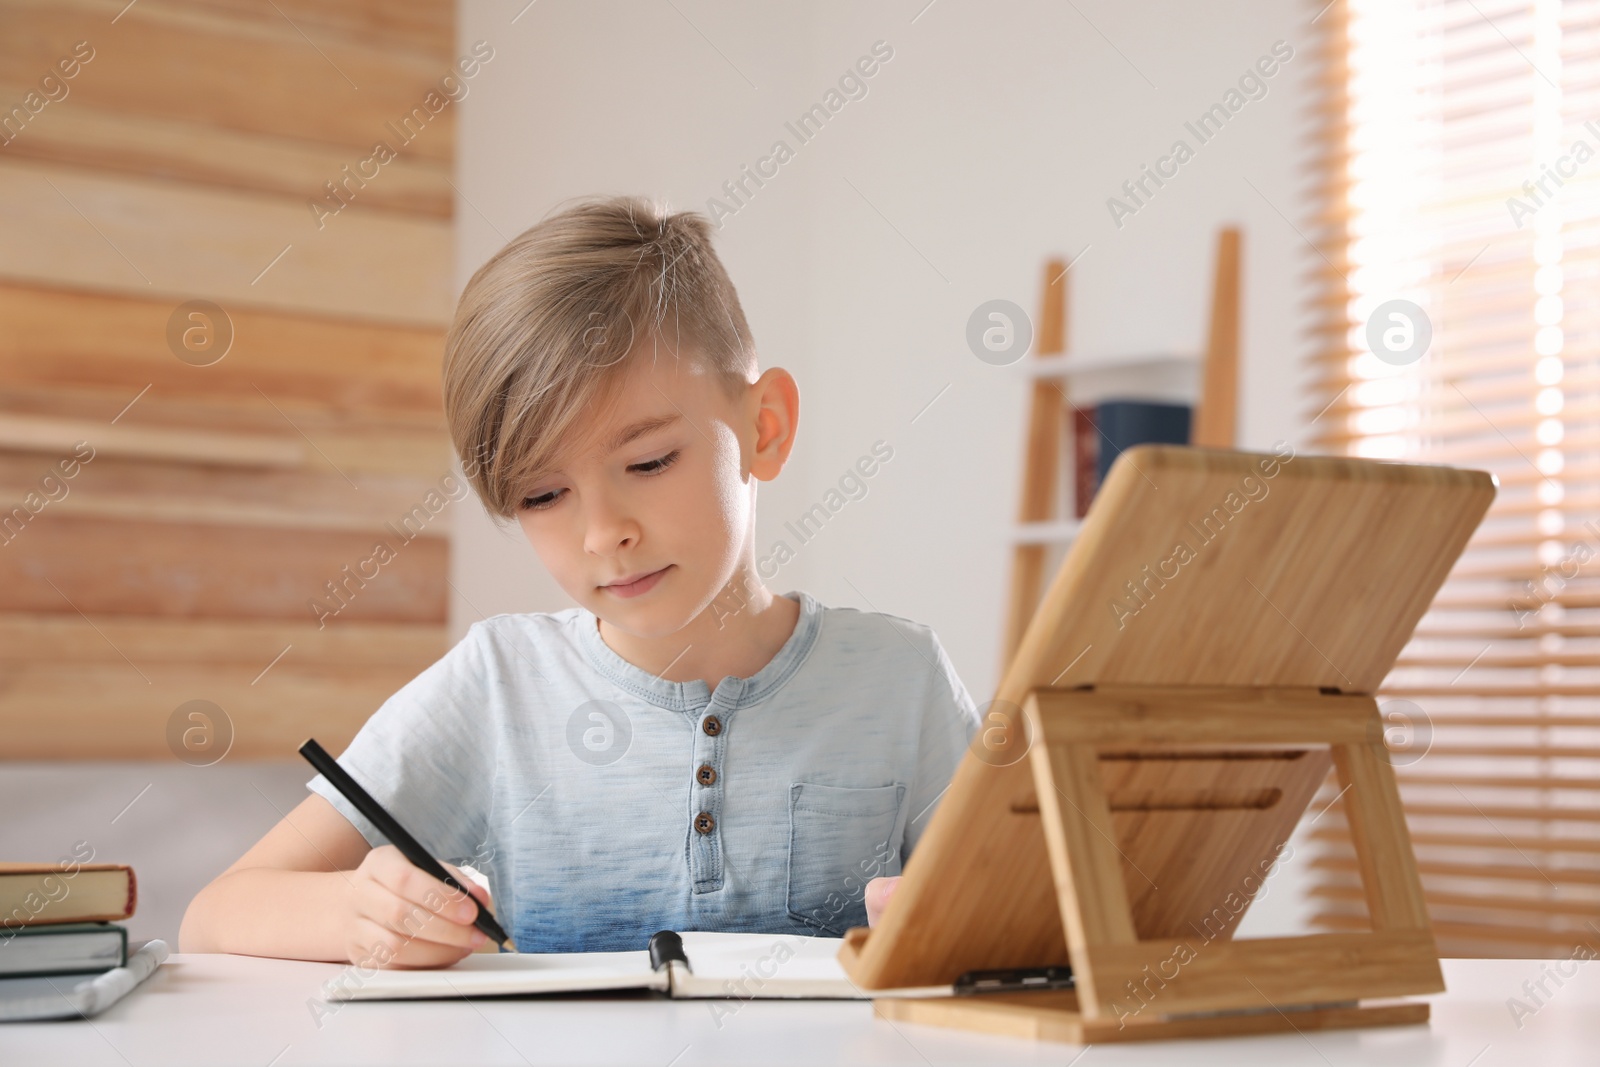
(605, 803)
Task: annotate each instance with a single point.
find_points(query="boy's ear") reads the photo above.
(775, 398)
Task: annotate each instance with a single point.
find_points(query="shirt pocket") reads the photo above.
(840, 837)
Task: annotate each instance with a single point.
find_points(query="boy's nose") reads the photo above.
(609, 529)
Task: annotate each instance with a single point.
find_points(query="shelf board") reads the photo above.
(1093, 362)
(1058, 532)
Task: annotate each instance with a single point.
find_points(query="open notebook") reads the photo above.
(694, 964)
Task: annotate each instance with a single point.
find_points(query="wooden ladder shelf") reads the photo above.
(1215, 417)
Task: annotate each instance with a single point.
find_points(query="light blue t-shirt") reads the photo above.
(604, 803)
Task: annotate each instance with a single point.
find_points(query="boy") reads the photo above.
(684, 750)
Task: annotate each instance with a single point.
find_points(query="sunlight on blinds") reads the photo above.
(1458, 256)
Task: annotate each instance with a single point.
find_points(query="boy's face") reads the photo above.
(672, 507)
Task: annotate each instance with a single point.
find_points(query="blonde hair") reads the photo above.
(544, 329)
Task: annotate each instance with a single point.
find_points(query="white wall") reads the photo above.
(990, 141)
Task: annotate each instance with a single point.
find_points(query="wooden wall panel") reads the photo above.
(87, 136)
(426, 27)
(251, 76)
(181, 562)
(249, 645)
(103, 566)
(107, 689)
(77, 228)
(179, 491)
(108, 712)
(260, 434)
(250, 411)
(62, 437)
(58, 338)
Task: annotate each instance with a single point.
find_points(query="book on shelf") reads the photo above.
(1102, 432)
(1085, 456)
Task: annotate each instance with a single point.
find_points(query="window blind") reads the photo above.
(1456, 165)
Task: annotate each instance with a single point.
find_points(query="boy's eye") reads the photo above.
(649, 468)
(540, 502)
(656, 466)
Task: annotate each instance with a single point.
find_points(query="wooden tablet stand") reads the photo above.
(1135, 775)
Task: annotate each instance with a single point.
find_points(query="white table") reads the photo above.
(202, 1009)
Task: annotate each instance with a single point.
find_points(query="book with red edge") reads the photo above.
(66, 891)
(1085, 459)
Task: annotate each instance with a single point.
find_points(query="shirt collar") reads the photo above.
(694, 694)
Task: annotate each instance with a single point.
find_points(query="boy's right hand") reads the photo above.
(400, 916)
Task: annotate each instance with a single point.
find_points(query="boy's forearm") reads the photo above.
(264, 911)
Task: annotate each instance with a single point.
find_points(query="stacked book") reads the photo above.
(63, 950)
